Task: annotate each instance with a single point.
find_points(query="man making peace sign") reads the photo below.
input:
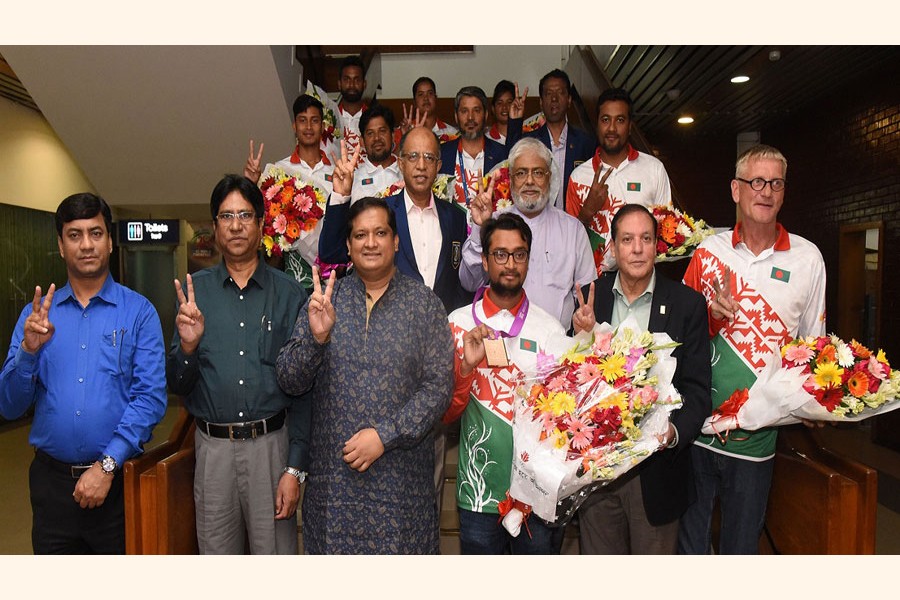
(251, 447)
(89, 358)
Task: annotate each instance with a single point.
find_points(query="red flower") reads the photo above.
(730, 407)
(829, 397)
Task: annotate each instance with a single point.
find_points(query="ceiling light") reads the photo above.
(685, 120)
(740, 79)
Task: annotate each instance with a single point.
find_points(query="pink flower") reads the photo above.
(273, 191)
(582, 433)
(601, 343)
(647, 395)
(877, 369)
(798, 354)
(634, 355)
(303, 201)
(587, 372)
(558, 383)
(279, 224)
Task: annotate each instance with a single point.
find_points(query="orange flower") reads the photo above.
(667, 229)
(292, 230)
(860, 350)
(858, 384)
(826, 354)
(274, 209)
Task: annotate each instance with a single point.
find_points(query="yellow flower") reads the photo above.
(828, 374)
(612, 367)
(572, 355)
(880, 357)
(560, 439)
(269, 243)
(561, 403)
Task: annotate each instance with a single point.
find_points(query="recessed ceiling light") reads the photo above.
(740, 79)
(685, 120)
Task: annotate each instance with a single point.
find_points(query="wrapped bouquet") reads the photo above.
(678, 234)
(816, 378)
(588, 417)
(293, 208)
(502, 197)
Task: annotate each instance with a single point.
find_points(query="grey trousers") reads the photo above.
(235, 483)
(612, 521)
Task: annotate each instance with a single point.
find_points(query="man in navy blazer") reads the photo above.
(473, 153)
(570, 145)
(431, 231)
(638, 513)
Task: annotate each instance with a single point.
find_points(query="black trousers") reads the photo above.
(60, 526)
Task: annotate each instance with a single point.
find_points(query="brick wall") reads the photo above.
(844, 168)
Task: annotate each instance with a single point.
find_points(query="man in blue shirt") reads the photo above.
(90, 358)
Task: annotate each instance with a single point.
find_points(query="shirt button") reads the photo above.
(241, 296)
(241, 353)
(77, 413)
(240, 382)
(81, 380)
(240, 414)
(242, 324)
(185, 362)
(84, 316)
(83, 346)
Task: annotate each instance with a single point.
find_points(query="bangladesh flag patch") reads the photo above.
(368, 181)
(528, 345)
(781, 274)
(328, 177)
(634, 186)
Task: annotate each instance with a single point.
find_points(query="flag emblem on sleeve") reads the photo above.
(634, 186)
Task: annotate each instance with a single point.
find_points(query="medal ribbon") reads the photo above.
(518, 322)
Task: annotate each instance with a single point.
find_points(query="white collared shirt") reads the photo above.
(370, 179)
(559, 155)
(425, 235)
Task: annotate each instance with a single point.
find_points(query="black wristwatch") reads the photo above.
(109, 465)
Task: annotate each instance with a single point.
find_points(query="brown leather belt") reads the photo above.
(242, 431)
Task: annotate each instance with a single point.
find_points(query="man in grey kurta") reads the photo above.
(375, 348)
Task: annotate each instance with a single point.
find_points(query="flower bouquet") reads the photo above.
(502, 197)
(816, 378)
(331, 125)
(678, 234)
(588, 418)
(442, 188)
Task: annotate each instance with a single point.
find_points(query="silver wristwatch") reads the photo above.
(300, 475)
(109, 465)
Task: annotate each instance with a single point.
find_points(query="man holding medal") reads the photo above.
(498, 338)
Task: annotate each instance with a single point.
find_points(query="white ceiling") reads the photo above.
(152, 126)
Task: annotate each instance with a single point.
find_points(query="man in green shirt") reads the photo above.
(251, 439)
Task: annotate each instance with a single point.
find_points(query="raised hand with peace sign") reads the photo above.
(482, 206)
(342, 179)
(38, 328)
(251, 167)
(723, 306)
(189, 320)
(517, 108)
(320, 310)
(597, 198)
(584, 318)
(411, 120)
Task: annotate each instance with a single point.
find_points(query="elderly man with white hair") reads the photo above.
(561, 259)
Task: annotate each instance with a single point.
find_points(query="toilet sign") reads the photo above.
(148, 233)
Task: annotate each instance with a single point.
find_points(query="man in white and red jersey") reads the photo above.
(352, 85)
(498, 338)
(378, 167)
(616, 175)
(763, 287)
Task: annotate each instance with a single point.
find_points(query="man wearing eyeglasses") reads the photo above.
(498, 339)
(251, 441)
(431, 231)
(616, 175)
(560, 260)
(763, 287)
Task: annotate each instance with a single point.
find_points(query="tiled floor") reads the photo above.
(15, 516)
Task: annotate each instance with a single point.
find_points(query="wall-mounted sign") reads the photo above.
(148, 233)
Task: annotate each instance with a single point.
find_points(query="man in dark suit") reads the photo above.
(638, 513)
(570, 145)
(474, 153)
(431, 231)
